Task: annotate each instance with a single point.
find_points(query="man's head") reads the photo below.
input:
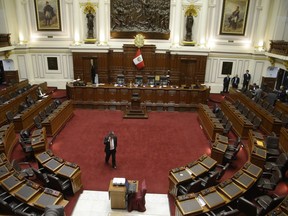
(247, 71)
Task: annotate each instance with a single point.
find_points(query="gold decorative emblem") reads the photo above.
(192, 10)
(139, 40)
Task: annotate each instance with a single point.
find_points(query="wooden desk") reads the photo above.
(243, 179)
(178, 176)
(211, 125)
(207, 161)
(221, 138)
(197, 170)
(104, 97)
(39, 143)
(213, 199)
(49, 197)
(117, 196)
(12, 181)
(188, 207)
(218, 151)
(72, 172)
(27, 191)
(270, 123)
(258, 156)
(52, 165)
(3, 158)
(230, 189)
(5, 170)
(8, 140)
(57, 120)
(252, 169)
(25, 120)
(240, 124)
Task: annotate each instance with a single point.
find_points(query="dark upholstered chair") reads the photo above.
(247, 207)
(137, 200)
(41, 175)
(56, 183)
(54, 210)
(280, 161)
(193, 186)
(256, 123)
(24, 168)
(37, 122)
(9, 116)
(272, 145)
(210, 179)
(268, 202)
(227, 128)
(269, 180)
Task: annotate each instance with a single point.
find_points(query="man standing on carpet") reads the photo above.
(110, 142)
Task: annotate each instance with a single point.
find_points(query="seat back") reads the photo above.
(276, 175)
(256, 122)
(246, 206)
(272, 142)
(54, 182)
(9, 116)
(37, 122)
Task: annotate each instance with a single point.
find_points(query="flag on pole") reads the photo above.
(138, 60)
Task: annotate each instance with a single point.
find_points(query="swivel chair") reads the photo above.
(269, 180)
(280, 161)
(56, 183)
(268, 202)
(193, 186)
(27, 172)
(272, 145)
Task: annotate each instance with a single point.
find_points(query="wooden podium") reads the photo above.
(117, 196)
(135, 111)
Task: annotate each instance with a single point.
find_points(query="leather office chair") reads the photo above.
(280, 161)
(193, 186)
(219, 114)
(236, 103)
(251, 116)
(245, 111)
(22, 106)
(235, 145)
(27, 210)
(247, 208)
(284, 119)
(277, 113)
(272, 146)
(41, 176)
(269, 180)
(227, 128)
(27, 172)
(37, 122)
(25, 142)
(241, 107)
(42, 115)
(256, 122)
(268, 202)
(58, 184)
(224, 120)
(231, 155)
(9, 116)
(270, 108)
(137, 200)
(57, 102)
(224, 211)
(210, 179)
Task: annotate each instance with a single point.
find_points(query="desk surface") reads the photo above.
(182, 175)
(259, 152)
(189, 206)
(213, 199)
(46, 199)
(231, 190)
(220, 146)
(43, 157)
(252, 170)
(244, 180)
(67, 171)
(198, 169)
(11, 182)
(53, 165)
(26, 192)
(4, 171)
(208, 162)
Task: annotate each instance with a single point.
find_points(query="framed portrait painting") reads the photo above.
(234, 17)
(48, 15)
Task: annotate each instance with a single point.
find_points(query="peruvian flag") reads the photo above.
(138, 60)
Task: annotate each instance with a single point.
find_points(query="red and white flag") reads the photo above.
(138, 60)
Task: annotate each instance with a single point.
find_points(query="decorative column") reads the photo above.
(76, 22)
(22, 24)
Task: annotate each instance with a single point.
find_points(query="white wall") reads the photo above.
(266, 20)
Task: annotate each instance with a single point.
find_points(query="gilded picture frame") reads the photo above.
(48, 15)
(234, 17)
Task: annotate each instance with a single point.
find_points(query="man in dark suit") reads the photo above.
(226, 82)
(235, 81)
(110, 142)
(246, 80)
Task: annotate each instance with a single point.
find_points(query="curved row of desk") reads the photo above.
(26, 192)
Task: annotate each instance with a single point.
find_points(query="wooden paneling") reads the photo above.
(184, 69)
